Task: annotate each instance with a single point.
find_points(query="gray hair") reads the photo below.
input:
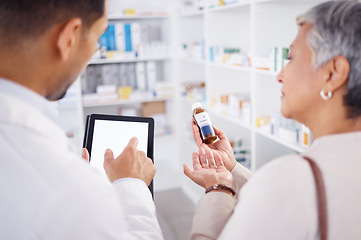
(337, 32)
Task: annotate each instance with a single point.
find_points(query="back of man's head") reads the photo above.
(22, 20)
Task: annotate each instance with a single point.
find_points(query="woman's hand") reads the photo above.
(222, 146)
(208, 169)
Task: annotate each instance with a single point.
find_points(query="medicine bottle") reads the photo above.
(201, 118)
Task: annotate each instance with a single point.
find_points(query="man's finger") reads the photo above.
(85, 154)
(133, 142)
(108, 155)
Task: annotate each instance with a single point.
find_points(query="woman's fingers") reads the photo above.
(210, 158)
(196, 134)
(218, 160)
(196, 163)
(203, 158)
(188, 171)
(221, 135)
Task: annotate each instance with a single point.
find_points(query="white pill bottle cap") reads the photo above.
(197, 105)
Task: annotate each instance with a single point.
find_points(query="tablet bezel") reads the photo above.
(89, 131)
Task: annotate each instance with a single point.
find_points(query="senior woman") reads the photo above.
(321, 88)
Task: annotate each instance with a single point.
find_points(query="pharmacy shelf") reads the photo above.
(67, 107)
(188, 60)
(139, 16)
(281, 141)
(255, 26)
(126, 102)
(228, 7)
(235, 121)
(189, 101)
(118, 60)
(215, 9)
(190, 143)
(192, 14)
(229, 66)
(266, 72)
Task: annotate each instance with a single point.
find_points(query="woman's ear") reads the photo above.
(339, 69)
(68, 35)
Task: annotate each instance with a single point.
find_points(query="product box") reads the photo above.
(128, 37)
(136, 36)
(129, 111)
(119, 36)
(289, 135)
(124, 92)
(164, 89)
(151, 108)
(123, 79)
(305, 136)
(151, 75)
(131, 75)
(109, 74)
(91, 80)
(140, 76)
(110, 35)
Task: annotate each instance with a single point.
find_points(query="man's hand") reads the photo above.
(222, 147)
(85, 154)
(207, 173)
(131, 163)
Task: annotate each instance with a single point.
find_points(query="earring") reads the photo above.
(324, 96)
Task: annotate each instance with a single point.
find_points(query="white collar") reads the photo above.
(30, 97)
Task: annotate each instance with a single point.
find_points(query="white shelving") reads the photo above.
(145, 16)
(292, 146)
(121, 60)
(126, 102)
(228, 7)
(160, 22)
(229, 119)
(254, 27)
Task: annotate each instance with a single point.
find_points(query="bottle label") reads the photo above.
(204, 123)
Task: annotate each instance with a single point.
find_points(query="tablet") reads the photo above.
(114, 132)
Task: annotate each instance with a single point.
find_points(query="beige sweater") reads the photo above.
(279, 201)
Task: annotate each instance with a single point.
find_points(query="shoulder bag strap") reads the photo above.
(321, 198)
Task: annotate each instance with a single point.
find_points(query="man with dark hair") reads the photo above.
(47, 190)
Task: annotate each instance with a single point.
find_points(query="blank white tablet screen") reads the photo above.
(115, 135)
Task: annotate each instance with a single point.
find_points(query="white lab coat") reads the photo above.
(49, 192)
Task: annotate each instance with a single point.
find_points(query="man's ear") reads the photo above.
(339, 69)
(67, 37)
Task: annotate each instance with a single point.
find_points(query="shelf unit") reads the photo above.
(138, 16)
(154, 15)
(251, 25)
(71, 114)
(121, 102)
(159, 14)
(255, 27)
(119, 60)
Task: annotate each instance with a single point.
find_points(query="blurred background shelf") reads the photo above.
(115, 60)
(212, 55)
(126, 102)
(289, 145)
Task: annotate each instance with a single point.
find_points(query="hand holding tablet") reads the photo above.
(127, 156)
